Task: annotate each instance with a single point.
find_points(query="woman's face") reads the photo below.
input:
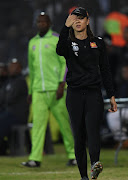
(80, 24)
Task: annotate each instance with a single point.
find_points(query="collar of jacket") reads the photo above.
(48, 34)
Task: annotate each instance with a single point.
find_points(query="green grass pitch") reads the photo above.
(54, 167)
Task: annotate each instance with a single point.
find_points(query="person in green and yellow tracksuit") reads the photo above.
(47, 73)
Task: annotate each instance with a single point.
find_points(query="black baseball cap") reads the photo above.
(79, 12)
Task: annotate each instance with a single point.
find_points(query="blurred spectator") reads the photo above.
(121, 82)
(123, 87)
(114, 25)
(113, 57)
(122, 58)
(124, 50)
(113, 119)
(3, 80)
(13, 96)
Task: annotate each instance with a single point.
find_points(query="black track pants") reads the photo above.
(85, 109)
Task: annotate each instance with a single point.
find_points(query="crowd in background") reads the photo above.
(17, 26)
(18, 21)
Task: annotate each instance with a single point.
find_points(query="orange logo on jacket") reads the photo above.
(93, 45)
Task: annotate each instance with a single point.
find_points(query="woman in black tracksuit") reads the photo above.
(87, 63)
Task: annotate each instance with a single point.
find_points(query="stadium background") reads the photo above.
(17, 21)
(17, 27)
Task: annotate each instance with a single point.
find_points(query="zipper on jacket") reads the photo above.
(41, 68)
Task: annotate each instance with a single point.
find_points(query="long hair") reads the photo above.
(89, 33)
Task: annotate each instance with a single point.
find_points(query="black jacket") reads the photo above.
(87, 62)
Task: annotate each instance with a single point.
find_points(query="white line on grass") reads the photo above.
(39, 173)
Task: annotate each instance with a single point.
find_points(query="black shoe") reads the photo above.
(31, 163)
(96, 169)
(72, 162)
(85, 178)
